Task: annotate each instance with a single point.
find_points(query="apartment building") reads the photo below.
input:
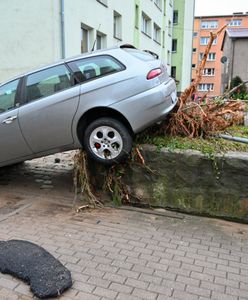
(38, 32)
(183, 22)
(211, 77)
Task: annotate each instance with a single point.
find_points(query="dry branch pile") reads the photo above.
(206, 116)
(203, 119)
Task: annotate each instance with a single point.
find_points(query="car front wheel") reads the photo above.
(107, 141)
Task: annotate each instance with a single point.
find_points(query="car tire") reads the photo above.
(107, 141)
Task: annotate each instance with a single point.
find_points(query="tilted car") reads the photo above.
(97, 101)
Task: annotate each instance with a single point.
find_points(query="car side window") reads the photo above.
(47, 82)
(93, 67)
(7, 95)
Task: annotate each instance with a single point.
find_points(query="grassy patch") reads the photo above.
(240, 131)
(207, 146)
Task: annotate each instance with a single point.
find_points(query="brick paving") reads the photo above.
(119, 254)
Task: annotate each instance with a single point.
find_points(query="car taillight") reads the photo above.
(154, 73)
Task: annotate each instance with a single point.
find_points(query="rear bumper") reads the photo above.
(149, 107)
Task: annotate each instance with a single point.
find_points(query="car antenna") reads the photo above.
(93, 48)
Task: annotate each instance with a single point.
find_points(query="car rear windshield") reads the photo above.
(142, 55)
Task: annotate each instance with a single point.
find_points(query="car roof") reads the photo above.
(69, 59)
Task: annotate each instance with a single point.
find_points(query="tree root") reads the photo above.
(113, 181)
(82, 181)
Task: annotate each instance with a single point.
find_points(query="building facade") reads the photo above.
(235, 54)
(38, 32)
(183, 22)
(211, 77)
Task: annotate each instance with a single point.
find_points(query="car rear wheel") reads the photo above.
(108, 141)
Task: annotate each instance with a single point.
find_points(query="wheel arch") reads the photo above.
(100, 112)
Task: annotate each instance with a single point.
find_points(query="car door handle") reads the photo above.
(9, 120)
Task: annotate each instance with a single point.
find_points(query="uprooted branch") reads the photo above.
(205, 116)
(204, 119)
(187, 94)
(82, 180)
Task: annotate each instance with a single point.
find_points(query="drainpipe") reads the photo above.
(62, 6)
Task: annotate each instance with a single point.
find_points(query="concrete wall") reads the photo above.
(240, 59)
(189, 181)
(30, 35)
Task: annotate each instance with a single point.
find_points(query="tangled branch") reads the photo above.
(82, 180)
(198, 119)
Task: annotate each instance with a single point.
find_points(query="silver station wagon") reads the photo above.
(97, 101)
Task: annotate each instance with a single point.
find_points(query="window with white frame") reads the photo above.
(117, 25)
(86, 38)
(173, 72)
(174, 45)
(170, 28)
(168, 57)
(137, 16)
(146, 24)
(175, 17)
(204, 87)
(100, 40)
(209, 24)
(208, 72)
(157, 33)
(211, 56)
(204, 40)
(235, 22)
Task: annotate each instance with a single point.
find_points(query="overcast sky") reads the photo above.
(219, 7)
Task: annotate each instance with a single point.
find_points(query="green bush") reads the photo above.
(241, 92)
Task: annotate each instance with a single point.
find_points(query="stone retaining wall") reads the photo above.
(189, 181)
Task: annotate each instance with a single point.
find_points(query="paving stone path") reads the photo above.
(118, 254)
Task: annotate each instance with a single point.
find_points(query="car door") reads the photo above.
(12, 143)
(51, 103)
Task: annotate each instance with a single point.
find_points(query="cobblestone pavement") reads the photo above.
(119, 254)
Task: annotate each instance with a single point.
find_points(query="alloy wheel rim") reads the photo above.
(106, 142)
